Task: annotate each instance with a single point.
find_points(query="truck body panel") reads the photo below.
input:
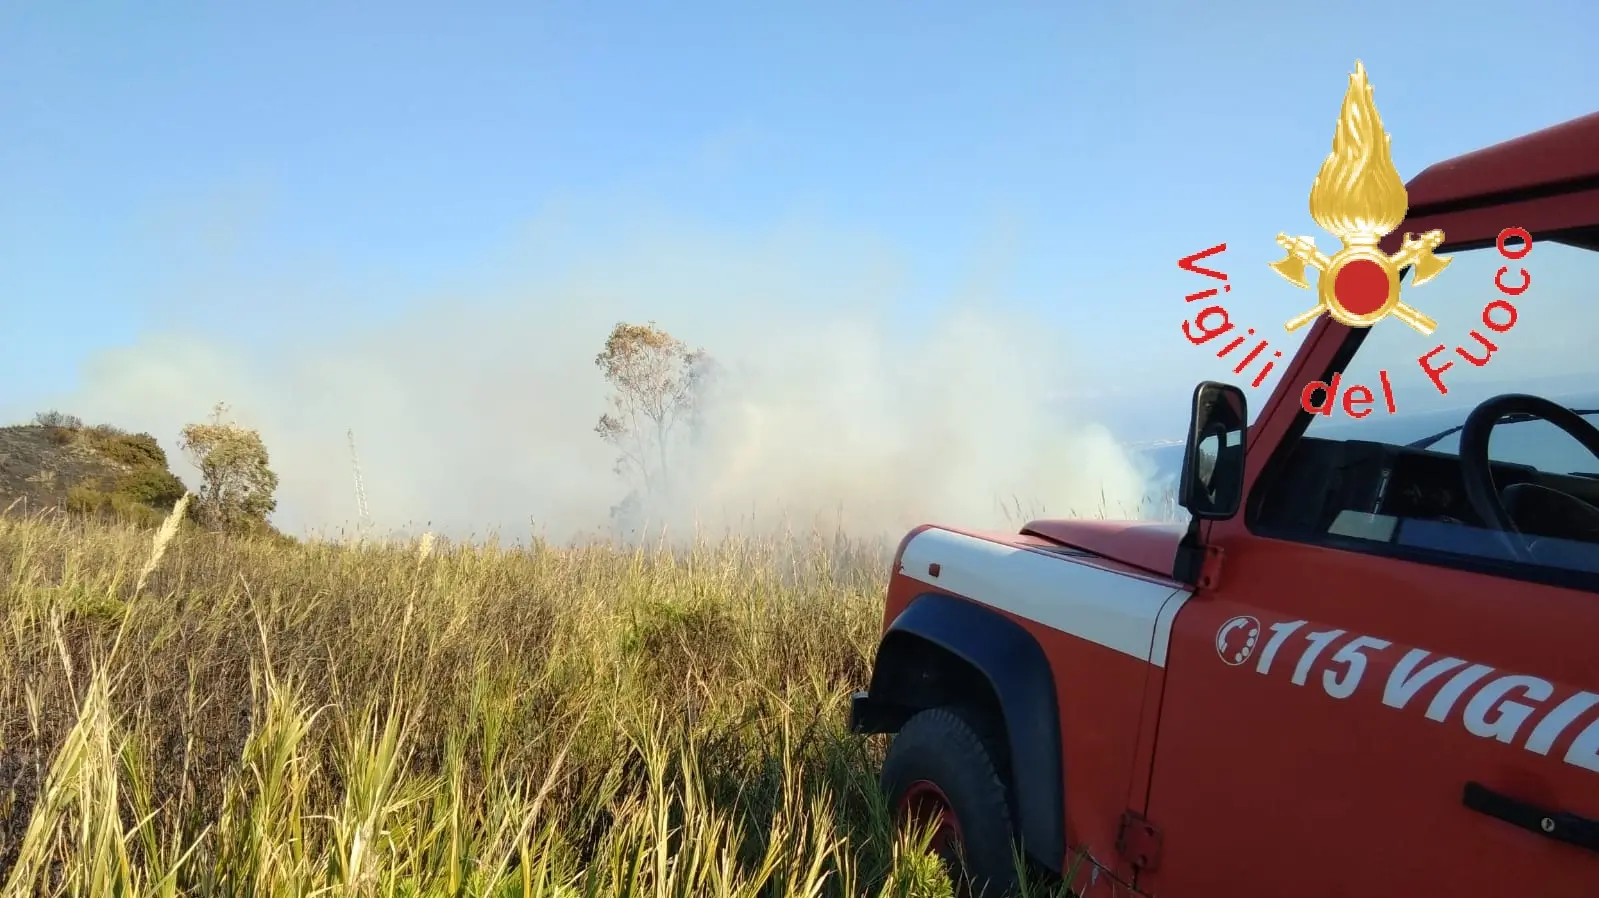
(1148, 545)
(1102, 624)
(1342, 749)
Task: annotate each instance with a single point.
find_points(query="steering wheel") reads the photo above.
(1478, 476)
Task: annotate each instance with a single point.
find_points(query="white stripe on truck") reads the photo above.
(1128, 614)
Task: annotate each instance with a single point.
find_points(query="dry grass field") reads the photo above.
(260, 718)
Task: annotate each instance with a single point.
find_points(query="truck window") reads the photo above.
(1393, 482)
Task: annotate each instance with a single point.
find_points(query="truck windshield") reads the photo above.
(1538, 343)
(1547, 352)
(1431, 440)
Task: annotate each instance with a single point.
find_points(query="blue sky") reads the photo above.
(243, 169)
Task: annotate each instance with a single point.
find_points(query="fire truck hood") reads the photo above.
(1148, 545)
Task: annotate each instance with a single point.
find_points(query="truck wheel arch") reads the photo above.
(942, 650)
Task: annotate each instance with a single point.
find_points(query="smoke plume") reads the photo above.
(474, 409)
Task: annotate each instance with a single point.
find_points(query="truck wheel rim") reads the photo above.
(924, 803)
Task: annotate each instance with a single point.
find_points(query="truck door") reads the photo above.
(1317, 740)
(1377, 694)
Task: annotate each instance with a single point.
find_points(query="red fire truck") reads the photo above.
(1368, 663)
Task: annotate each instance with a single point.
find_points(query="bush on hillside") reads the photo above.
(88, 499)
(142, 492)
(156, 487)
(136, 450)
(59, 427)
(58, 420)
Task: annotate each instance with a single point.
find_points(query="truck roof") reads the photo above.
(1532, 163)
(1546, 182)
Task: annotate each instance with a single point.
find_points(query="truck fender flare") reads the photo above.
(1018, 672)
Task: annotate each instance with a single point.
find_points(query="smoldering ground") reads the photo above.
(843, 403)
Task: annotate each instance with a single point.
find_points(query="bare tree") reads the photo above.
(238, 483)
(659, 384)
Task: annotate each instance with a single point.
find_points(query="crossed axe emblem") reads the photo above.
(1359, 285)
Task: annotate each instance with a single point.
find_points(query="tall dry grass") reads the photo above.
(228, 717)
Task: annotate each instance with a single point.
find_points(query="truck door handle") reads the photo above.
(1558, 825)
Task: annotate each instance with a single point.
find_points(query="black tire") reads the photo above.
(941, 746)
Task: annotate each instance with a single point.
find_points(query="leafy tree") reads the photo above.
(236, 492)
(659, 385)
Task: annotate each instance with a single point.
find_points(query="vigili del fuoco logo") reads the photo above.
(1358, 197)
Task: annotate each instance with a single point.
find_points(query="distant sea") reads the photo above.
(1402, 428)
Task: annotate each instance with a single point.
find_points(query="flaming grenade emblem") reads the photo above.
(1359, 198)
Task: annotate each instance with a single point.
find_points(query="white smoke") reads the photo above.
(474, 411)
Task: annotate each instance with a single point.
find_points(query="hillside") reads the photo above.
(101, 470)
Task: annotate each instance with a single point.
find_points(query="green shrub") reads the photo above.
(116, 506)
(154, 487)
(143, 494)
(136, 450)
(673, 638)
(131, 512)
(85, 499)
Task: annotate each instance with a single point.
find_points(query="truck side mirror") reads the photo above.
(1211, 485)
